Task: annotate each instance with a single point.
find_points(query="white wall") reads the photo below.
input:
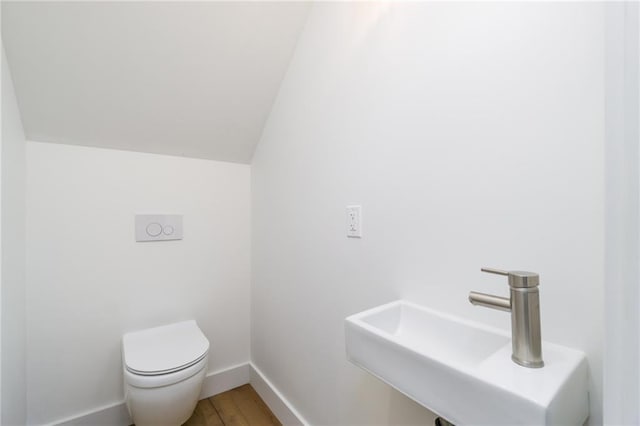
(472, 135)
(89, 281)
(621, 372)
(3, 71)
(13, 382)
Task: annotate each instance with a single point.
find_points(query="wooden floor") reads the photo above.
(238, 407)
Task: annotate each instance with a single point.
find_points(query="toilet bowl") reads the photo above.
(164, 368)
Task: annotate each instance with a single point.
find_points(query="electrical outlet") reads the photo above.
(354, 221)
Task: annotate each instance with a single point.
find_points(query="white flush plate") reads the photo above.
(158, 227)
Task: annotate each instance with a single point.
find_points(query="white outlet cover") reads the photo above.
(354, 221)
(158, 227)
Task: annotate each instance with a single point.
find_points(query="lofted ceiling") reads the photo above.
(193, 79)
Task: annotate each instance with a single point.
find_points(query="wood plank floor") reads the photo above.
(238, 407)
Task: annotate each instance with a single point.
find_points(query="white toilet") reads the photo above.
(164, 368)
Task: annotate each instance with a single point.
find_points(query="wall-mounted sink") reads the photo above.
(463, 371)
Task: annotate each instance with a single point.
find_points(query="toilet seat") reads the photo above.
(164, 350)
(169, 371)
(160, 380)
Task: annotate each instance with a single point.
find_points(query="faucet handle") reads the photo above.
(517, 279)
(495, 271)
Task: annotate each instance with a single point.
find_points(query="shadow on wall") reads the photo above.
(405, 411)
(397, 409)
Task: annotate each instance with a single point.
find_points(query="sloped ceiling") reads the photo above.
(194, 79)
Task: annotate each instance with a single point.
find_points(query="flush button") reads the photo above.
(154, 229)
(158, 227)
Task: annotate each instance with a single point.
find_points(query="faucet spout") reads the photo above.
(490, 301)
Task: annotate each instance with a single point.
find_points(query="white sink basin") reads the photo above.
(463, 371)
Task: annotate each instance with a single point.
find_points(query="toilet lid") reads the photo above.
(165, 349)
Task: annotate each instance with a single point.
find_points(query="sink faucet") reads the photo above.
(524, 305)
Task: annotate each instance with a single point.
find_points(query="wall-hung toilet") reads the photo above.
(164, 368)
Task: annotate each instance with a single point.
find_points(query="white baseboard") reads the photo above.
(214, 383)
(110, 415)
(117, 414)
(224, 380)
(281, 407)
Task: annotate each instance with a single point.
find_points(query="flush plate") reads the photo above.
(158, 227)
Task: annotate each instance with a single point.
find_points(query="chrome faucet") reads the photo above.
(524, 305)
